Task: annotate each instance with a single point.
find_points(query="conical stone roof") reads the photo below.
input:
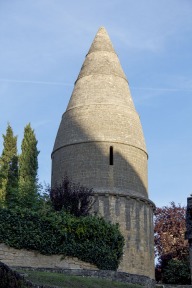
(101, 58)
(101, 95)
(101, 42)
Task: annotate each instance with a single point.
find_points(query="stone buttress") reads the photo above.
(100, 144)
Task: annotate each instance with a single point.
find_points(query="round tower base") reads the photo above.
(135, 218)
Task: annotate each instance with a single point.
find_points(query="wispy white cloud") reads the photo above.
(35, 82)
(151, 25)
(162, 89)
(186, 88)
(41, 123)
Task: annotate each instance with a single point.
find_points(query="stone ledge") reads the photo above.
(127, 196)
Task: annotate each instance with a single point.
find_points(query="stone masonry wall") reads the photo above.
(135, 218)
(88, 164)
(24, 258)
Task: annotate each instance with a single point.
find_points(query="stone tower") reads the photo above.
(100, 144)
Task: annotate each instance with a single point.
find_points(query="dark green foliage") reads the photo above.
(9, 169)
(177, 272)
(90, 238)
(73, 198)
(18, 177)
(28, 167)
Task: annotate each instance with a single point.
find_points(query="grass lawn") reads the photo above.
(65, 281)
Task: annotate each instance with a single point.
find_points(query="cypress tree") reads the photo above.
(9, 169)
(28, 168)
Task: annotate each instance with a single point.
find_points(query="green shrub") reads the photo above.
(177, 272)
(89, 238)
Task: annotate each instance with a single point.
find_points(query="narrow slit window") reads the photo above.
(111, 155)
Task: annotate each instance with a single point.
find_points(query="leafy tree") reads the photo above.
(170, 232)
(9, 168)
(74, 198)
(28, 168)
(170, 243)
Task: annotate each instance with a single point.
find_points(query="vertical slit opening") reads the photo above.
(111, 155)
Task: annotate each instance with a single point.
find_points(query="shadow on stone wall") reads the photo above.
(86, 160)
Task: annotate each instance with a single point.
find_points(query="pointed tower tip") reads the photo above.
(101, 42)
(102, 29)
(101, 58)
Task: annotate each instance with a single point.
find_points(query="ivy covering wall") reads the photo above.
(90, 239)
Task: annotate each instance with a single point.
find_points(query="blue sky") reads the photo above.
(42, 47)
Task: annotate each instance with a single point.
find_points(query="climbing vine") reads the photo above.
(89, 238)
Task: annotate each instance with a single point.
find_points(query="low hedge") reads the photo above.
(90, 239)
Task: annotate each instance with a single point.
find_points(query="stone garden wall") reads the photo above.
(24, 258)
